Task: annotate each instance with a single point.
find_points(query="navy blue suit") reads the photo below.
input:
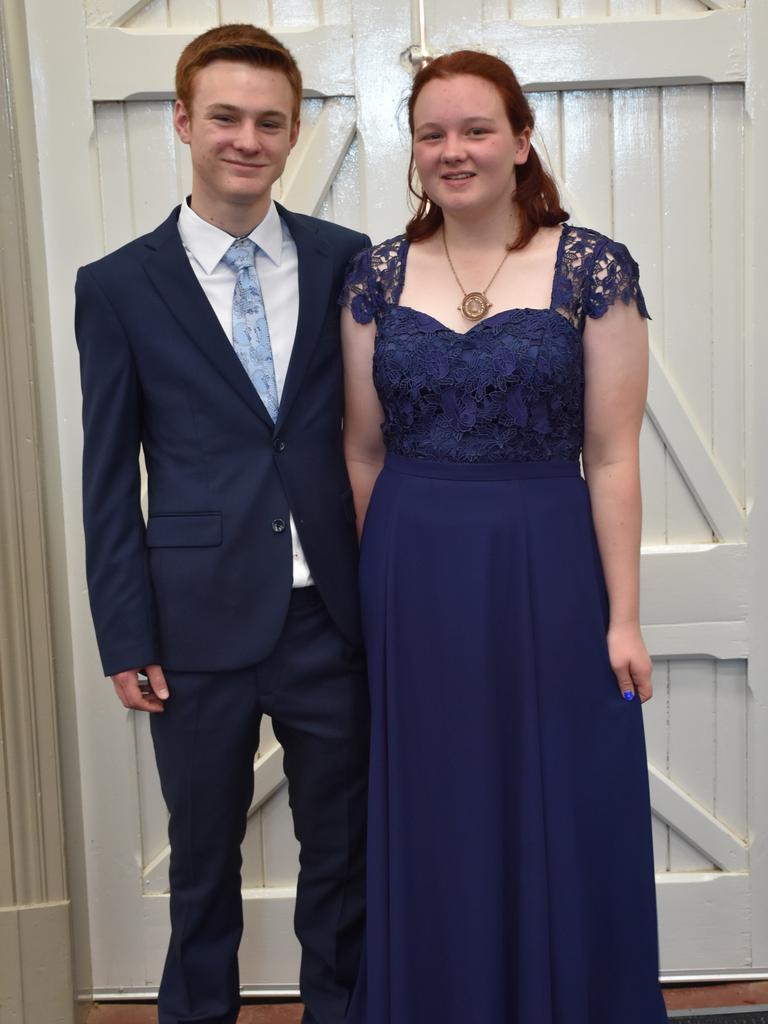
(205, 591)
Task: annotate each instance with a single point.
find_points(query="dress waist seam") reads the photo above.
(481, 470)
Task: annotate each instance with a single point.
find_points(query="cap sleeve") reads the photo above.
(361, 292)
(614, 276)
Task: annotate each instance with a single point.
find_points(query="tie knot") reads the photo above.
(240, 255)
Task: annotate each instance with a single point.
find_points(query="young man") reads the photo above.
(213, 344)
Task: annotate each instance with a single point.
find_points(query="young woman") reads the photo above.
(510, 873)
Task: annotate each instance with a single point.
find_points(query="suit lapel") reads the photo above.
(168, 267)
(315, 279)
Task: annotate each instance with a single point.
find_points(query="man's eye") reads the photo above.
(223, 118)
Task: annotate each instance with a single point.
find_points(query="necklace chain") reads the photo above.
(474, 305)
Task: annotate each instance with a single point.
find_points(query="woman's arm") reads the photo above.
(616, 382)
(363, 415)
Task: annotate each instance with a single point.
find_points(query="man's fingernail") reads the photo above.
(629, 695)
(162, 694)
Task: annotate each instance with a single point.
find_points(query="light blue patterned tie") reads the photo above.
(250, 331)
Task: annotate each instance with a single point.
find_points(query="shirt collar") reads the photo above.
(207, 243)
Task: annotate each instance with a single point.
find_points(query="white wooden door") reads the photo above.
(653, 116)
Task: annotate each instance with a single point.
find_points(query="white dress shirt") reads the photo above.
(277, 265)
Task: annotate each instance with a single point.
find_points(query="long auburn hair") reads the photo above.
(535, 192)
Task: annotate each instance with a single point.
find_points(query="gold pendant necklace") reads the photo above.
(474, 305)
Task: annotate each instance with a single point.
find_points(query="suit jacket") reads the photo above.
(205, 585)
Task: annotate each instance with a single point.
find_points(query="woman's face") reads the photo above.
(464, 147)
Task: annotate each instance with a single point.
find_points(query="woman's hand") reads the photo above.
(630, 660)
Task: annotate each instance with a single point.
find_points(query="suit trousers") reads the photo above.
(313, 686)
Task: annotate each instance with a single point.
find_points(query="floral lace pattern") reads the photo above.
(512, 387)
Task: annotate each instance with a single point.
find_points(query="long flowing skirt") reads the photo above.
(510, 867)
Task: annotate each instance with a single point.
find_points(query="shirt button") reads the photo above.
(278, 444)
(278, 525)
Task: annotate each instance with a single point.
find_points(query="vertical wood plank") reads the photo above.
(533, 10)
(681, 7)
(193, 15)
(548, 132)
(692, 746)
(383, 152)
(335, 12)
(235, 12)
(656, 717)
(637, 190)
(686, 246)
(731, 749)
(151, 157)
(295, 13)
(756, 225)
(637, 223)
(587, 157)
(656, 725)
(728, 395)
(496, 10)
(114, 177)
(631, 8)
(454, 24)
(583, 8)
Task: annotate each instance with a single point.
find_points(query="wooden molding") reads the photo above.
(623, 53)
(127, 64)
(34, 906)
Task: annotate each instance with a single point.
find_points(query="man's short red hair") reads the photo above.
(245, 43)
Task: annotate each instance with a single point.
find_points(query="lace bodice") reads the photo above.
(510, 388)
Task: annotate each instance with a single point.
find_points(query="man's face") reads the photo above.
(240, 131)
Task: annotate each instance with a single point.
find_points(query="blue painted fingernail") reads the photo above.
(629, 695)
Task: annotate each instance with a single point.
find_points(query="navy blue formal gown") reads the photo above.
(510, 866)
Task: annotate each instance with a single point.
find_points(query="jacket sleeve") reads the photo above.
(119, 585)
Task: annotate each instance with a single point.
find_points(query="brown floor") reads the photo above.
(703, 997)
(678, 997)
(286, 1013)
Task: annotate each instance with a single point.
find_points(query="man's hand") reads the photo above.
(141, 694)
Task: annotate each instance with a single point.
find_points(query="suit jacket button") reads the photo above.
(278, 525)
(278, 444)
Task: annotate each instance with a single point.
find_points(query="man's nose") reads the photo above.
(248, 138)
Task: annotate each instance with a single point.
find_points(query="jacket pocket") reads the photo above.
(191, 530)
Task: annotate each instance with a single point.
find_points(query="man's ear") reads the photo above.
(295, 127)
(181, 120)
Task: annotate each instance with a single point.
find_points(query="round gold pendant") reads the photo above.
(474, 306)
